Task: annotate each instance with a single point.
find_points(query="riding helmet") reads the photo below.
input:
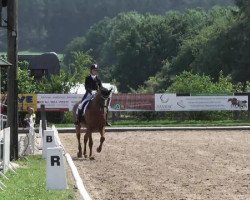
(93, 66)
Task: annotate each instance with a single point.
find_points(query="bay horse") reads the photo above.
(94, 121)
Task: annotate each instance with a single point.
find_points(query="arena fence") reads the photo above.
(5, 163)
(28, 145)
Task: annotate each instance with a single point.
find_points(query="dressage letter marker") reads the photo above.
(55, 159)
(56, 176)
(48, 141)
(49, 138)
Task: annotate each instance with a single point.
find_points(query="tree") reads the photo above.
(60, 83)
(188, 82)
(49, 25)
(26, 82)
(244, 6)
(69, 76)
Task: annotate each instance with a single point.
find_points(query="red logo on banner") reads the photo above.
(133, 102)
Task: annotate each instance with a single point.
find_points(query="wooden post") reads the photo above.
(12, 77)
(43, 118)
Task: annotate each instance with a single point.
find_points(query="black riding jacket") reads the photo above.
(92, 84)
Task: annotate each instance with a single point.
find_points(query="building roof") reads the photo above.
(4, 63)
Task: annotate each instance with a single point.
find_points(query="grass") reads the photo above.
(30, 182)
(171, 123)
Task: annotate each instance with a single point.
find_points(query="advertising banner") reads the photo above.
(171, 102)
(138, 102)
(132, 102)
(58, 102)
(27, 100)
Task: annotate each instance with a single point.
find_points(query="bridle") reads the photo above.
(104, 99)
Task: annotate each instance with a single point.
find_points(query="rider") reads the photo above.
(92, 82)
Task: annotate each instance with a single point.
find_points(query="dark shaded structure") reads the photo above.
(44, 64)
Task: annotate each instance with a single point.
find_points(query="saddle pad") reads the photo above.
(85, 107)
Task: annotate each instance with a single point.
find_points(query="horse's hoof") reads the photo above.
(79, 155)
(98, 149)
(91, 158)
(85, 156)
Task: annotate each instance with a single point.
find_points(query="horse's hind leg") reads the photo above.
(102, 139)
(78, 135)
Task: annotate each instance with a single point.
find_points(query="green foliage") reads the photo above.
(219, 42)
(79, 69)
(55, 83)
(3, 79)
(144, 52)
(69, 76)
(247, 86)
(30, 182)
(46, 25)
(76, 45)
(200, 52)
(187, 82)
(156, 48)
(244, 6)
(68, 118)
(26, 82)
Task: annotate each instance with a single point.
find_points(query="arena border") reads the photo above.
(125, 129)
(165, 128)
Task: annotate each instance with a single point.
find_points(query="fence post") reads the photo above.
(43, 117)
(31, 149)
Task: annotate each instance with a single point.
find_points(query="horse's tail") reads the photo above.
(74, 111)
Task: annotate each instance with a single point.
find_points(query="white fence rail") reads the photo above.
(5, 149)
(5, 163)
(3, 121)
(28, 144)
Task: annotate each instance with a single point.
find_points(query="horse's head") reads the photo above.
(104, 93)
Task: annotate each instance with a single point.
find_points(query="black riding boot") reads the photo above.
(79, 116)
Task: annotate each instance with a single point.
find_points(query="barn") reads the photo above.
(42, 64)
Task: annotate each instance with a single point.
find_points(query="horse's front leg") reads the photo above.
(90, 147)
(86, 137)
(78, 135)
(102, 139)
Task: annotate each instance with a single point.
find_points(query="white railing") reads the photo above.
(5, 163)
(5, 148)
(29, 144)
(3, 121)
(3, 117)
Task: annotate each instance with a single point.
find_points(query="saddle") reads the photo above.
(85, 105)
(81, 110)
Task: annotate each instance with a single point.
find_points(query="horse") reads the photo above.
(237, 103)
(234, 102)
(94, 121)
